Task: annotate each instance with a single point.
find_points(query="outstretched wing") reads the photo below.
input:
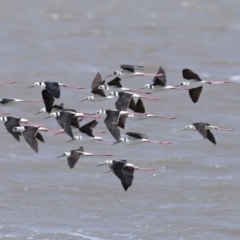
(195, 93)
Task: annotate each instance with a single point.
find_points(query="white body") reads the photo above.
(139, 117)
(87, 138)
(132, 141)
(192, 84)
(158, 88)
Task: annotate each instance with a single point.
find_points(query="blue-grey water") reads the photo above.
(194, 193)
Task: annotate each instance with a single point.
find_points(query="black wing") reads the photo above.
(97, 81)
(200, 127)
(11, 123)
(210, 137)
(116, 82)
(29, 134)
(53, 88)
(136, 135)
(121, 122)
(39, 137)
(195, 93)
(160, 80)
(189, 74)
(140, 106)
(48, 100)
(73, 158)
(124, 100)
(88, 128)
(116, 167)
(75, 122)
(99, 92)
(128, 176)
(111, 122)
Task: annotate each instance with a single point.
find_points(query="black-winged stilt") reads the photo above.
(98, 96)
(141, 114)
(67, 118)
(136, 138)
(51, 91)
(204, 130)
(12, 122)
(112, 120)
(195, 84)
(30, 134)
(159, 82)
(124, 171)
(129, 71)
(75, 155)
(87, 133)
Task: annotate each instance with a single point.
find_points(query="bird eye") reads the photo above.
(181, 83)
(114, 73)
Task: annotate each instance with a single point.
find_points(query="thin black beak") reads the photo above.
(30, 87)
(59, 156)
(82, 100)
(108, 76)
(47, 117)
(71, 140)
(141, 88)
(107, 171)
(177, 85)
(37, 113)
(100, 165)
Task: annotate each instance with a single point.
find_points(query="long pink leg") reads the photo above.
(89, 116)
(76, 87)
(150, 141)
(149, 98)
(3, 83)
(153, 75)
(219, 82)
(108, 154)
(99, 131)
(144, 169)
(104, 140)
(5, 113)
(136, 91)
(225, 129)
(40, 100)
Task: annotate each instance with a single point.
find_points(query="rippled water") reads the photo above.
(194, 193)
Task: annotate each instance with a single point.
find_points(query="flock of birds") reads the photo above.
(69, 119)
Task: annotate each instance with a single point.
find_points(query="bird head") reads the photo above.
(65, 154)
(101, 111)
(18, 129)
(3, 119)
(113, 94)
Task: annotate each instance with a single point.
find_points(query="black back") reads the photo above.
(74, 157)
